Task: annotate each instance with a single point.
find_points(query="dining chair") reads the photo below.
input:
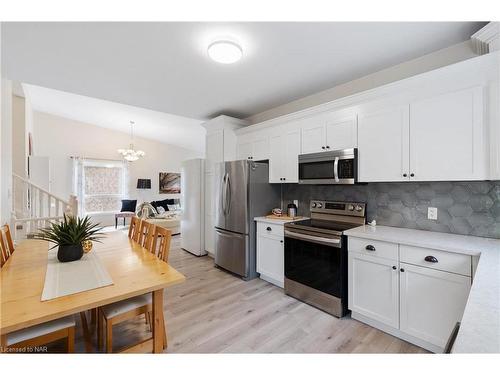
(5, 254)
(42, 334)
(160, 243)
(145, 234)
(117, 312)
(133, 227)
(8, 237)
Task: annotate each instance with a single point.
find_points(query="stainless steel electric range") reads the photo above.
(316, 254)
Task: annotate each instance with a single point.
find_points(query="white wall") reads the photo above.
(19, 146)
(6, 151)
(59, 138)
(435, 60)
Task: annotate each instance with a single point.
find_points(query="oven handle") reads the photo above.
(300, 236)
(336, 169)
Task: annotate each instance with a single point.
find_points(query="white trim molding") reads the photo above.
(487, 39)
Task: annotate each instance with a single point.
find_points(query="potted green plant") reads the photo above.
(69, 235)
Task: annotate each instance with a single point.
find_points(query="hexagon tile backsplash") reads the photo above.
(471, 208)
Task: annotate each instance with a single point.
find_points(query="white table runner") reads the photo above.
(62, 279)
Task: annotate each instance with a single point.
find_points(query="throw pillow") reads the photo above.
(128, 205)
(164, 203)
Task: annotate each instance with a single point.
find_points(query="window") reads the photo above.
(103, 186)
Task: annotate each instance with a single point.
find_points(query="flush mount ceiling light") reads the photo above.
(225, 51)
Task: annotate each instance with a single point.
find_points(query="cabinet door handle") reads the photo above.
(281, 241)
(323, 147)
(370, 248)
(394, 267)
(402, 270)
(268, 229)
(327, 146)
(431, 259)
(405, 175)
(412, 174)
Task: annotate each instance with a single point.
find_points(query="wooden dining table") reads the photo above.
(133, 269)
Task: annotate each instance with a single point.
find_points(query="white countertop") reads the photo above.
(264, 219)
(480, 327)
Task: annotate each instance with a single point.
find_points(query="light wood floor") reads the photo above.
(215, 312)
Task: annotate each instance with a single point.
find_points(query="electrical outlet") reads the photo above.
(432, 213)
(296, 202)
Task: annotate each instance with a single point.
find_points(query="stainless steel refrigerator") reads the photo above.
(242, 192)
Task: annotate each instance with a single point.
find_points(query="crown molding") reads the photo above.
(474, 69)
(487, 39)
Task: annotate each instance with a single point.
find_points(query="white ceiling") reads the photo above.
(158, 126)
(164, 66)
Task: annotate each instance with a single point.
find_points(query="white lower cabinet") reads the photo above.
(271, 253)
(431, 302)
(374, 288)
(416, 302)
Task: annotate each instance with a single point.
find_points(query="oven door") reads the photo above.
(334, 167)
(317, 262)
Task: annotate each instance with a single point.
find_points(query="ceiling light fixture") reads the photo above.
(225, 51)
(130, 154)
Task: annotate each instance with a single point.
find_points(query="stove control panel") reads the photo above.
(338, 208)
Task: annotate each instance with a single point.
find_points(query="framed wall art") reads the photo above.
(170, 183)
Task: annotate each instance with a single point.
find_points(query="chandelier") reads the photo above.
(130, 154)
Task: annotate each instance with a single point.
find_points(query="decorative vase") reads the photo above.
(87, 246)
(69, 253)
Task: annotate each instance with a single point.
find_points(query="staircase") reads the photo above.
(34, 208)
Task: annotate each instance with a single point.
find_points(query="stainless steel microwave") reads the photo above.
(329, 168)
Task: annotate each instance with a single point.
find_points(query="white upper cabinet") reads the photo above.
(329, 132)
(383, 145)
(214, 149)
(313, 136)
(341, 133)
(284, 153)
(244, 149)
(447, 137)
(260, 147)
(253, 146)
(220, 140)
(440, 138)
(292, 152)
(276, 158)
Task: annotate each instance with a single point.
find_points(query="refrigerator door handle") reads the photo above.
(223, 233)
(228, 195)
(223, 198)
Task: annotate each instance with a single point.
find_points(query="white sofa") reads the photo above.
(173, 223)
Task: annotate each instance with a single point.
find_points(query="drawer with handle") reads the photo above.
(269, 228)
(437, 259)
(374, 248)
